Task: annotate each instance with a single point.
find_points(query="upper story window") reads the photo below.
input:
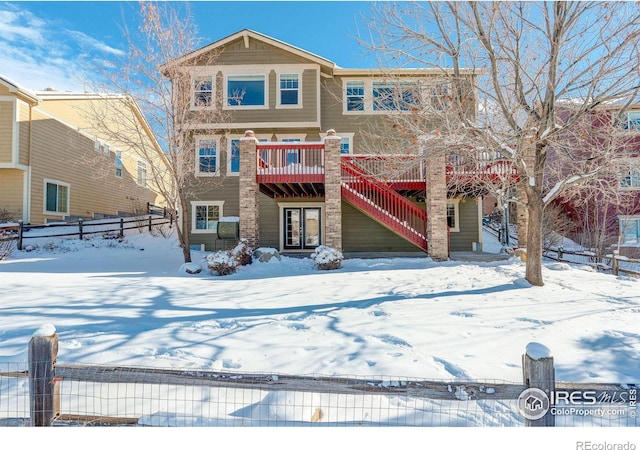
(202, 92)
(56, 197)
(246, 91)
(354, 95)
(289, 89)
(142, 173)
(630, 121)
(630, 177)
(118, 164)
(101, 147)
(382, 96)
(395, 96)
(206, 157)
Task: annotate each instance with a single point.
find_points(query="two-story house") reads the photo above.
(55, 165)
(293, 187)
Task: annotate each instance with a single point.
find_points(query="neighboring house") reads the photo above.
(285, 185)
(612, 217)
(55, 166)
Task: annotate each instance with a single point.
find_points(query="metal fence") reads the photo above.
(47, 393)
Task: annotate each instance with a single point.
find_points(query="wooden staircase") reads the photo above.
(383, 204)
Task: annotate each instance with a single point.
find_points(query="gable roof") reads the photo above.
(246, 35)
(21, 92)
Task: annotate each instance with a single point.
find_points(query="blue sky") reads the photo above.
(42, 44)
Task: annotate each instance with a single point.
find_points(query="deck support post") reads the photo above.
(332, 191)
(436, 203)
(248, 201)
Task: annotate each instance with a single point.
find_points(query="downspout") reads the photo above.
(30, 145)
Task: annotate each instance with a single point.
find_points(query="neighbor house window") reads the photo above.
(246, 90)
(345, 145)
(118, 164)
(207, 157)
(630, 229)
(289, 89)
(205, 216)
(202, 92)
(142, 173)
(56, 197)
(453, 215)
(630, 177)
(355, 95)
(630, 121)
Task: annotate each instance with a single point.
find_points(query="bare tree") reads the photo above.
(546, 71)
(170, 95)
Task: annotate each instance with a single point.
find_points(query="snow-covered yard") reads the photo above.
(132, 303)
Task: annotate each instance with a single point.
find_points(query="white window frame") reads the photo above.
(636, 219)
(142, 175)
(194, 78)
(427, 87)
(231, 137)
(199, 139)
(44, 198)
(348, 137)
(455, 202)
(194, 205)
(623, 123)
(118, 159)
(246, 73)
(279, 103)
(630, 171)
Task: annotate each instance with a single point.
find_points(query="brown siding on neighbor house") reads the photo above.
(61, 154)
(11, 191)
(24, 130)
(6, 131)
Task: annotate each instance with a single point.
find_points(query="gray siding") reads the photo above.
(468, 214)
(362, 234)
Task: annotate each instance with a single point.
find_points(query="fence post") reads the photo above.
(43, 392)
(80, 228)
(560, 253)
(149, 223)
(616, 264)
(121, 227)
(539, 377)
(20, 234)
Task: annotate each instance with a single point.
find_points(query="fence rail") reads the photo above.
(157, 216)
(74, 394)
(609, 262)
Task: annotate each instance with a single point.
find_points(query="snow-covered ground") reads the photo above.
(132, 303)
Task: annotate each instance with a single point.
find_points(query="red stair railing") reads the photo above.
(384, 205)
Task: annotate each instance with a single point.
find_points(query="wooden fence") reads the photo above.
(608, 262)
(537, 398)
(156, 216)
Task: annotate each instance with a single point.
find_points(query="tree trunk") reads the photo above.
(534, 238)
(183, 231)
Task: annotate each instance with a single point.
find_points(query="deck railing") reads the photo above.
(284, 162)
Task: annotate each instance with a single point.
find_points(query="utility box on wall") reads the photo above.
(228, 230)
